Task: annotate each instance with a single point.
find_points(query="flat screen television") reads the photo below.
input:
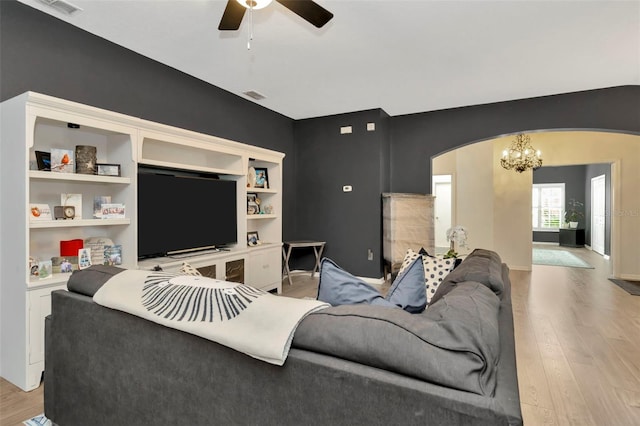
(180, 212)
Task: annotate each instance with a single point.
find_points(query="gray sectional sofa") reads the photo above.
(453, 364)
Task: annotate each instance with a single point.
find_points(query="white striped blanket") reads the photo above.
(241, 317)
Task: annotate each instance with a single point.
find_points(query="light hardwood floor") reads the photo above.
(577, 347)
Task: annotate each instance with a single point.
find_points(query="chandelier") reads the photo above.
(521, 155)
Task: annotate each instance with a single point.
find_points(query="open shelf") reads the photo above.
(77, 223)
(76, 177)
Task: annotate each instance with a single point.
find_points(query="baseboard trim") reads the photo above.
(631, 277)
(520, 268)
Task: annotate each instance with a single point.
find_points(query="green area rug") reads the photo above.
(558, 258)
(631, 287)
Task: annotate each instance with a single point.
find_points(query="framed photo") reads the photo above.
(84, 258)
(62, 160)
(113, 211)
(44, 160)
(262, 178)
(40, 212)
(98, 201)
(45, 269)
(252, 238)
(253, 203)
(108, 169)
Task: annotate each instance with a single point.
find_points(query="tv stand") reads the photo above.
(37, 123)
(190, 254)
(228, 265)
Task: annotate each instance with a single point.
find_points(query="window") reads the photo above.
(548, 205)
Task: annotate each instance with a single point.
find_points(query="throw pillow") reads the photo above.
(409, 257)
(435, 270)
(187, 269)
(408, 291)
(338, 287)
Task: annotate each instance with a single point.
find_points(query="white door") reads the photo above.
(597, 214)
(442, 208)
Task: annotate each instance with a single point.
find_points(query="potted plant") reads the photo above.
(457, 234)
(573, 213)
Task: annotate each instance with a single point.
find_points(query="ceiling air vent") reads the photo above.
(255, 95)
(62, 6)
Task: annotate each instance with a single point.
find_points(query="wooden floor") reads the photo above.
(577, 347)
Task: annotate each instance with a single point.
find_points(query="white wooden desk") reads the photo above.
(287, 246)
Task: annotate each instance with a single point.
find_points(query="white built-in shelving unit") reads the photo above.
(33, 122)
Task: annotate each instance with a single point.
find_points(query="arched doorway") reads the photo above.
(495, 204)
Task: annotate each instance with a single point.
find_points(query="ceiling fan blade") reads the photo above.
(232, 16)
(308, 10)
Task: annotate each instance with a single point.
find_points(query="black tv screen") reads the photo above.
(178, 211)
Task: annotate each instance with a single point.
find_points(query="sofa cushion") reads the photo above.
(88, 281)
(453, 343)
(483, 266)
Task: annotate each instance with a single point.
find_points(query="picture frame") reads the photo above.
(43, 160)
(105, 169)
(84, 258)
(63, 160)
(40, 212)
(253, 239)
(113, 211)
(253, 203)
(45, 269)
(262, 178)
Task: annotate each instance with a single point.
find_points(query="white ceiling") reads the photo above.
(401, 56)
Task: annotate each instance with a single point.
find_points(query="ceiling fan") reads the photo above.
(306, 9)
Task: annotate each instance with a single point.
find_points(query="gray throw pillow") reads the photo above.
(407, 291)
(338, 287)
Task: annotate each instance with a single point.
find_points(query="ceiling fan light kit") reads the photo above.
(308, 10)
(254, 4)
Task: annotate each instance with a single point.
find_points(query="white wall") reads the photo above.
(495, 204)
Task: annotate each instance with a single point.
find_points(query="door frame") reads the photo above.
(602, 200)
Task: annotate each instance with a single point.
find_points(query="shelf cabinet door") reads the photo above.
(265, 269)
(234, 271)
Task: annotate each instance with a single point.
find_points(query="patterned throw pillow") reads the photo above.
(409, 257)
(187, 269)
(435, 270)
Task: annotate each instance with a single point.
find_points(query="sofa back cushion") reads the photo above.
(454, 343)
(88, 281)
(481, 265)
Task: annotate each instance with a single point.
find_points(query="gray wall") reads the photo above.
(43, 54)
(350, 222)
(415, 138)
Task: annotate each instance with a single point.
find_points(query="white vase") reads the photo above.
(573, 225)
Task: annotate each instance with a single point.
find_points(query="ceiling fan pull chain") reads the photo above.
(250, 26)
